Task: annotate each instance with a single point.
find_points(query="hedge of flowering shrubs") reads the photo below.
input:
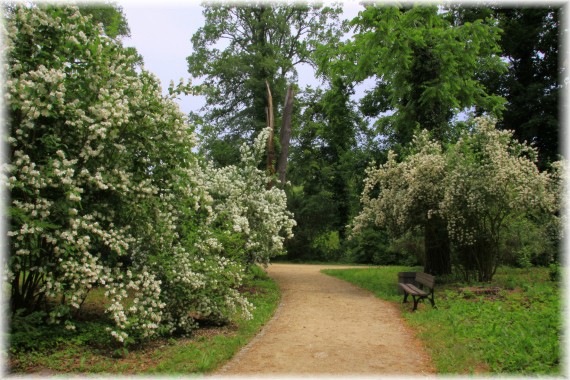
(481, 186)
(105, 191)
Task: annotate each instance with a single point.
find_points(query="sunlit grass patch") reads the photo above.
(382, 281)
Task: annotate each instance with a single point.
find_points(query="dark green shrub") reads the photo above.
(374, 246)
(526, 243)
(554, 272)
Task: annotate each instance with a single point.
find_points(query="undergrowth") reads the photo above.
(39, 348)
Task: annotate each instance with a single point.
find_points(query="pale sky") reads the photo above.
(161, 33)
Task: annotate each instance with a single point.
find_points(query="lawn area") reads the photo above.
(54, 350)
(515, 328)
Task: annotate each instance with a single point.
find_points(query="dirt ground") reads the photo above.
(326, 326)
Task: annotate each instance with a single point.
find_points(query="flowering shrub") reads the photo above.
(76, 179)
(242, 199)
(403, 197)
(475, 187)
(416, 184)
(106, 192)
(491, 180)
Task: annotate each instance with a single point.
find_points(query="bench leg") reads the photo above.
(419, 298)
(416, 300)
(405, 297)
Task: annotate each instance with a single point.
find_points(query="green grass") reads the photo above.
(207, 354)
(87, 350)
(280, 260)
(380, 281)
(516, 331)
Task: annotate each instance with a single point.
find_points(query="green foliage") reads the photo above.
(370, 246)
(327, 161)
(530, 42)
(554, 272)
(328, 243)
(111, 16)
(426, 69)
(410, 248)
(26, 328)
(262, 42)
(527, 242)
(312, 213)
(513, 332)
(32, 333)
(375, 246)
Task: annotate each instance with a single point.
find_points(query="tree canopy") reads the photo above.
(241, 47)
(426, 68)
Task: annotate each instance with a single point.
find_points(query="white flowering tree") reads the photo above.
(474, 188)
(492, 180)
(403, 196)
(105, 190)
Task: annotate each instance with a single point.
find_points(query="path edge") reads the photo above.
(234, 360)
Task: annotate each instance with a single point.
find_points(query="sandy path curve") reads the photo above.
(326, 326)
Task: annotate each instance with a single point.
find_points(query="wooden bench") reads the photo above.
(418, 294)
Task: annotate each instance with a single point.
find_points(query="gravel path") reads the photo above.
(326, 326)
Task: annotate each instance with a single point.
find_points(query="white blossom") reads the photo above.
(102, 170)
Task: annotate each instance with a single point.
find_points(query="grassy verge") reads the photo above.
(511, 326)
(87, 349)
(380, 280)
(279, 260)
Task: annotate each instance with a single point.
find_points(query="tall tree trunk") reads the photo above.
(285, 134)
(437, 248)
(271, 125)
(341, 197)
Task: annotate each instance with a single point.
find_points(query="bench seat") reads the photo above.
(412, 289)
(427, 284)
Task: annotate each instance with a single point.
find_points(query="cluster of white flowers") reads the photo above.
(501, 181)
(106, 191)
(241, 196)
(475, 186)
(144, 313)
(409, 191)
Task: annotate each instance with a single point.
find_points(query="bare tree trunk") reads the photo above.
(271, 125)
(285, 134)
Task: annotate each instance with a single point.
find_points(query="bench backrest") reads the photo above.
(425, 279)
